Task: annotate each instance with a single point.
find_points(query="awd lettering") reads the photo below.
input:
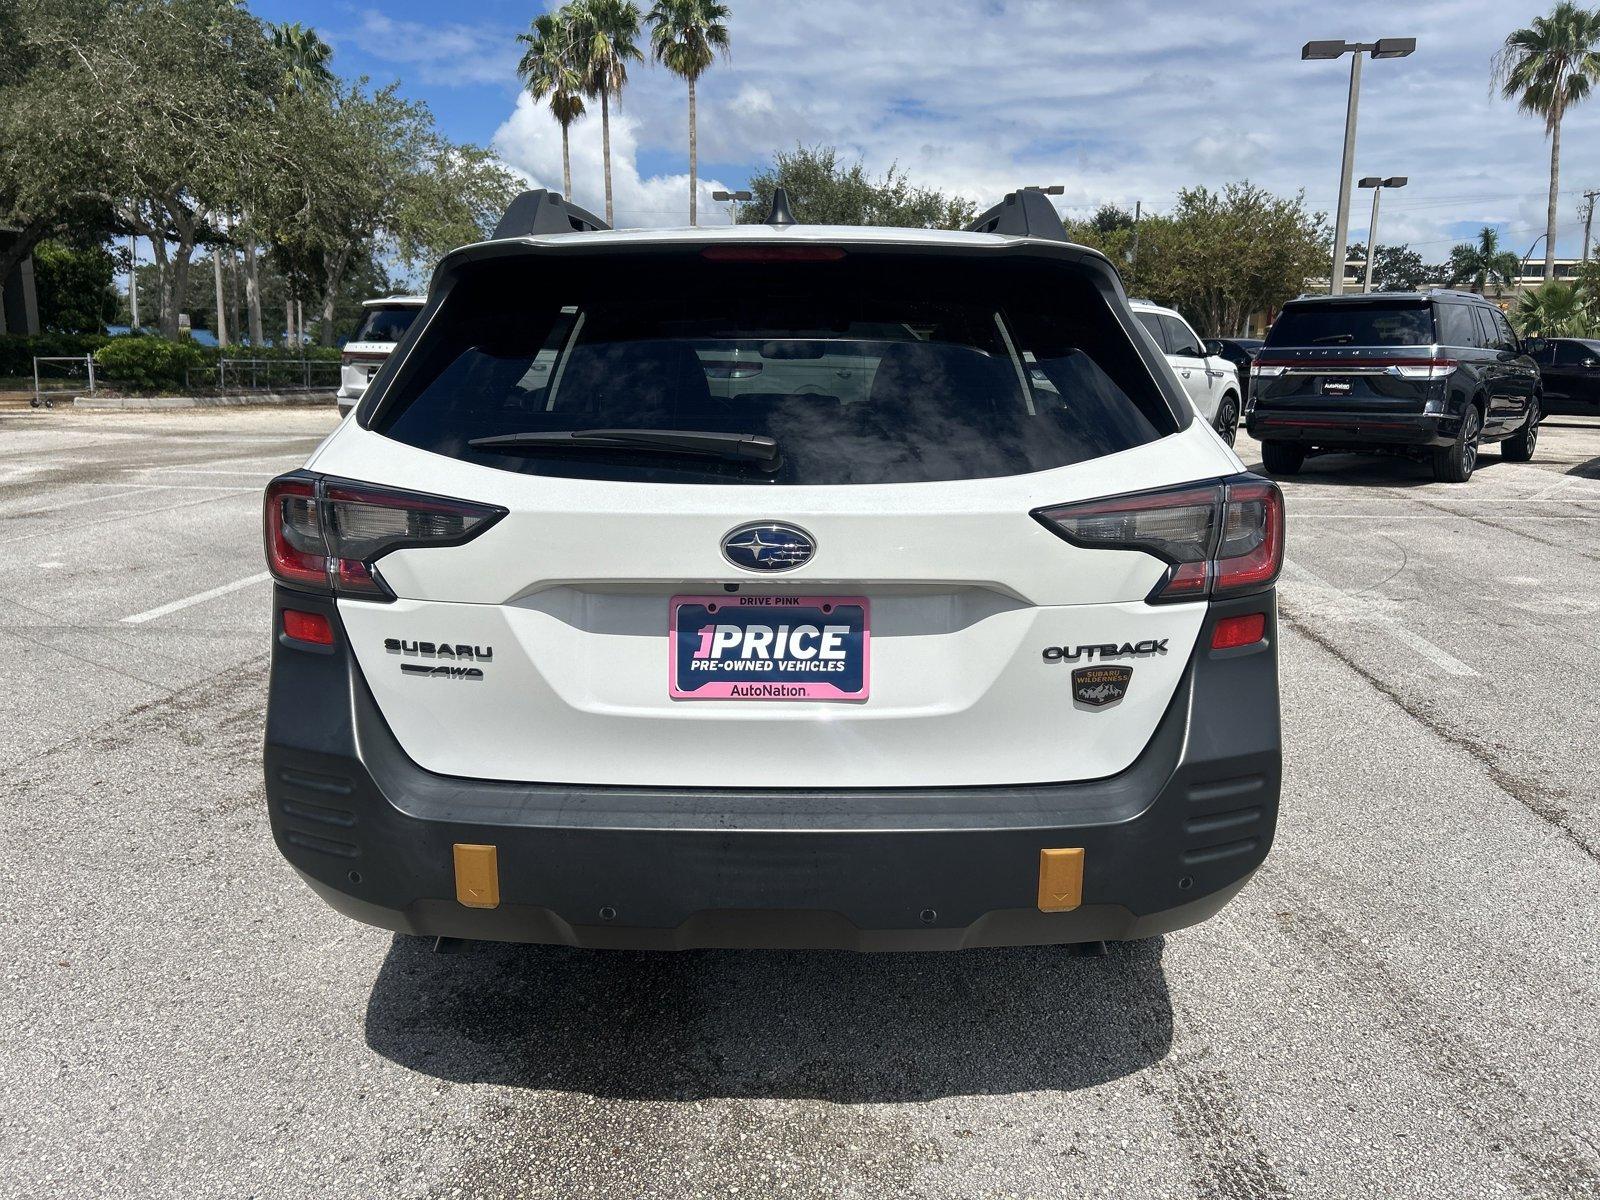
(1089, 653)
(442, 671)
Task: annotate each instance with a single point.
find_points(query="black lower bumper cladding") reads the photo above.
(1352, 429)
(1166, 843)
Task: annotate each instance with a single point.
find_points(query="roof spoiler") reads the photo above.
(543, 211)
(1023, 213)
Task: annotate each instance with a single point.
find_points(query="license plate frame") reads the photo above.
(694, 636)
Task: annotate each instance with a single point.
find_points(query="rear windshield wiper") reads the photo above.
(1334, 337)
(698, 443)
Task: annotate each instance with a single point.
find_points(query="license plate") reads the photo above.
(1335, 387)
(769, 648)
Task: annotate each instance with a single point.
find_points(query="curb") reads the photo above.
(261, 399)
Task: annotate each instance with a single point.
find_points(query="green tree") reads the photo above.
(550, 71)
(1555, 309)
(1394, 268)
(606, 35)
(304, 55)
(686, 36)
(1219, 256)
(1477, 265)
(824, 191)
(54, 162)
(1547, 67)
(74, 287)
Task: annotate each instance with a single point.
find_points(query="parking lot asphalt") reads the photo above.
(1405, 1001)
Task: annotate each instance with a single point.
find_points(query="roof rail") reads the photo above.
(1023, 213)
(545, 212)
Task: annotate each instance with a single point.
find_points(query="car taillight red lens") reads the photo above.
(1223, 538)
(308, 627)
(293, 528)
(1250, 553)
(1232, 632)
(327, 533)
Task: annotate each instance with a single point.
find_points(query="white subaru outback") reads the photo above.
(775, 585)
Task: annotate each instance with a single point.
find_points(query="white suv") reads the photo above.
(1211, 382)
(383, 323)
(775, 585)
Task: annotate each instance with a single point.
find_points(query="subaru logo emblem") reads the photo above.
(768, 547)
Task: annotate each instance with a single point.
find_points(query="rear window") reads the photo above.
(866, 369)
(387, 324)
(1354, 323)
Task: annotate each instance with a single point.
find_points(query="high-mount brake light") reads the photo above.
(325, 534)
(772, 253)
(1218, 539)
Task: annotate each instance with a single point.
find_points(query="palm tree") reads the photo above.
(305, 57)
(1478, 264)
(549, 68)
(605, 36)
(685, 37)
(1547, 67)
(1556, 309)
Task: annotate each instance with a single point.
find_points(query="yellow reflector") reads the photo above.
(1060, 879)
(477, 876)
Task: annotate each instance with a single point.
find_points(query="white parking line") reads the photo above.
(1327, 600)
(197, 598)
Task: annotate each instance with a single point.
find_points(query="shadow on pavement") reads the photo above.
(771, 1024)
(1372, 470)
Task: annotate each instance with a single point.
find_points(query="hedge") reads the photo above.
(147, 363)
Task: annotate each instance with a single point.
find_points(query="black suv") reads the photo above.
(1432, 373)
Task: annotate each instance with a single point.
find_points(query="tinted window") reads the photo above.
(873, 369)
(1152, 325)
(1180, 338)
(1456, 325)
(386, 324)
(1354, 323)
(1503, 337)
(1574, 354)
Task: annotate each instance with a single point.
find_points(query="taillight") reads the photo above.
(1260, 370)
(1218, 539)
(1437, 368)
(327, 533)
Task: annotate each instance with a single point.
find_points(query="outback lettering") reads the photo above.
(1088, 653)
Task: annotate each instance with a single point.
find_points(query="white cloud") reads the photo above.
(1117, 102)
(449, 54)
(530, 141)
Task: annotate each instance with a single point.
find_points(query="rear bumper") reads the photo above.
(1335, 428)
(1166, 843)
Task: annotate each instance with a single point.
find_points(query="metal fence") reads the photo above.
(54, 377)
(233, 375)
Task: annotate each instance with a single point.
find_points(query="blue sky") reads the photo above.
(1115, 101)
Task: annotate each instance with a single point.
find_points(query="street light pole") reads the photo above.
(1341, 229)
(1382, 48)
(1377, 185)
(733, 198)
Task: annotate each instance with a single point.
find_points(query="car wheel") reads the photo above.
(1227, 422)
(1519, 446)
(1282, 458)
(1455, 463)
